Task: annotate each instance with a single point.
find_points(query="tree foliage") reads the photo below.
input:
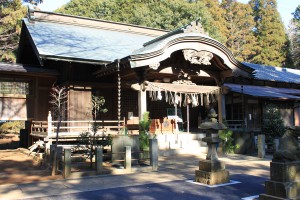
(240, 35)
(163, 14)
(11, 13)
(294, 37)
(253, 34)
(273, 125)
(219, 22)
(269, 29)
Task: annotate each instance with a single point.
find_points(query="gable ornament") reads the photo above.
(197, 57)
(195, 27)
(154, 65)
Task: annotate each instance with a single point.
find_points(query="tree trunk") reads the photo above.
(54, 157)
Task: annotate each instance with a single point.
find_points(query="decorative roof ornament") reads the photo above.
(154, 66)
(195, 27)
(197, 57)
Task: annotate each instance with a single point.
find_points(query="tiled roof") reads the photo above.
(265, 92)
(86, 43)
(270, 73)
(19, 68)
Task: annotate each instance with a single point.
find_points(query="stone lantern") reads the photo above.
(212, 171)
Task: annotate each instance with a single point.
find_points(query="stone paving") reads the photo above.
(171, 181)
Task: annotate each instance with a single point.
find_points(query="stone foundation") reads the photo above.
(284, 183)
(211, 172)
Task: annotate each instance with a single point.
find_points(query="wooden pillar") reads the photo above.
(188, 118)
(142, 101)
(220, 108)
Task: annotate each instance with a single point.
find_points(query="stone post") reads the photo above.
(99, 160)
(49, 119)
(67, 163)
(127, 163)
(261, 146)
(153, 153)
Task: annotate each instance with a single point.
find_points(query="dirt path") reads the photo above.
(17, 167)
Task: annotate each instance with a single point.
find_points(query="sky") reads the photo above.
(285, 7)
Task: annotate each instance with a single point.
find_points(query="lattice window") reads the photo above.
(14, 87)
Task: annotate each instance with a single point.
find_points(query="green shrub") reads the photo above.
(143, 131)
(273, 126)
(227, 141)
(12, 127)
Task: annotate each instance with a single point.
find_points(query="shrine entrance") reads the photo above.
(182, 72)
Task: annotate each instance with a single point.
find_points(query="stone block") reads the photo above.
(212, 178)
(118, 144)
(283, 189)
(261, 146)
(269, 197)
(211, 166)
(285, 171)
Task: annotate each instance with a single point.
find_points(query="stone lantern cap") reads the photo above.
(212, 123)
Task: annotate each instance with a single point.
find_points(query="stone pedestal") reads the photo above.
(211, 172)
(284, 183)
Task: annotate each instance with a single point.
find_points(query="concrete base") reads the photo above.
(211, 172)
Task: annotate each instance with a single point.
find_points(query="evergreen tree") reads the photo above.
(11, 13)
(219, 22)
(240, 35)
(163, 14)
(294, 37)
(272, 40)
(273, 125)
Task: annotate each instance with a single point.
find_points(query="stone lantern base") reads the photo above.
(284, 183)
(211, 172)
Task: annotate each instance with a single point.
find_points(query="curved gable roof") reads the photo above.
(161, 48)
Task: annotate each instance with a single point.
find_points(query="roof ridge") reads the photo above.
(35, 16)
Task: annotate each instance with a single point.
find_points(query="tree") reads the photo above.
(273, 125)
(294, 37)
(163, 14)
(59, 98)
(219, 22)
(11, 13)
(240, 35)
(269, 30)
(96, 108)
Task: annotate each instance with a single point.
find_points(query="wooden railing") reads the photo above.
(235, 124)
(73, 128)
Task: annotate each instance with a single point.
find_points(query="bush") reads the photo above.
(143, 131)
(227, 141)
(12, 127)
(273, 125)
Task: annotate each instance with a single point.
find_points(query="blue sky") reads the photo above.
(285, 7)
